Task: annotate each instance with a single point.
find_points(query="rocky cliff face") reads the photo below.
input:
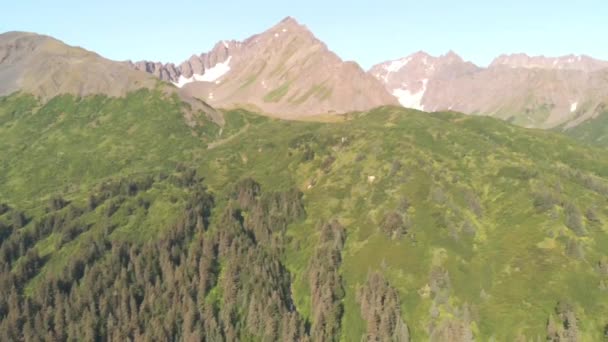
(192, 69)
(284, 71)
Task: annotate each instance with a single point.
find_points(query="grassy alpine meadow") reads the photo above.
(388, 224)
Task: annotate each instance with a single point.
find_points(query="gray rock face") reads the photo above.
(195, 65)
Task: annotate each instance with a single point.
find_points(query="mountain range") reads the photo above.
(287, 72)
(529, 91)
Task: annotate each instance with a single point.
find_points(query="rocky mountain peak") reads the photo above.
(284, 70)
(289, 23)
(286, 30)
(289, 20)
(452, 57)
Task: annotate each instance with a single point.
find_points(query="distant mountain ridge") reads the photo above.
(47, 67)
(287, 72)
(529, 91)
(569, 62)
(408, 78)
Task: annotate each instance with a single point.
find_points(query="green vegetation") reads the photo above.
(72, 142)
(320, 91)
(391, 224)
(593, 131)
(277, 94)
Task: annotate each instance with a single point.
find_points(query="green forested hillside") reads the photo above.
(593, 131)
(123, 219)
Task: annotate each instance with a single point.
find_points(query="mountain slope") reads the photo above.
(528, 91)
(284, 71)
(72, 142)
(46, 67)
(468, 227)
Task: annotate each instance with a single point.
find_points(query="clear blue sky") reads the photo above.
(365, 31)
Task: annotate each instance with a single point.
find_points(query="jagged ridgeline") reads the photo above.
(128, 219)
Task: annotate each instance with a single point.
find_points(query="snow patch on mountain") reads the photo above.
(391, 67)
(210, 75)
(411, 100)
(182, 81)
(395, 66)
(573, 106)
(219, 70)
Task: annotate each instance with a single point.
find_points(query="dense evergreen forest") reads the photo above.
(209, 277)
